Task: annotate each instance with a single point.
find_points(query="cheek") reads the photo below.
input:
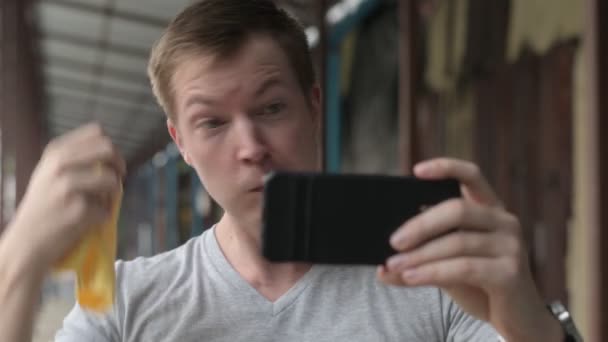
(209, 160)
(212, 171)
(204, 155)
(299, 143)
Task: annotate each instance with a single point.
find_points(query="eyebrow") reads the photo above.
(201, 99)
(269, 83)
(198, 99)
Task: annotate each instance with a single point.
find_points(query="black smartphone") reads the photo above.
(342, 219)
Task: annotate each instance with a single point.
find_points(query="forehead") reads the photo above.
(259, 58)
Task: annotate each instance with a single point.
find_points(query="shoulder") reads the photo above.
(149, 287)
(159, 271)
(163, 262)
(141, 284)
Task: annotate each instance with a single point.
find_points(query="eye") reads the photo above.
(273, 109)
(210, 124)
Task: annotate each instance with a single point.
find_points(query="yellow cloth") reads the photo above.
(93, 261)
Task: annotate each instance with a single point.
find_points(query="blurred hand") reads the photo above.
(70, 190)
(473, 249)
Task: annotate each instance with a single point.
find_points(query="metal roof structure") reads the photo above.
(94, 55)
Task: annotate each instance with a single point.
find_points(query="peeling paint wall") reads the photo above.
(534, 26)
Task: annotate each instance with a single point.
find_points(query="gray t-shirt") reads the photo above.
(192, 293)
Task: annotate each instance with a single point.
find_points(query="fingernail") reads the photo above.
(423, 168)
(397, 239)
(396, 261)
(409, 275)
(382, 269)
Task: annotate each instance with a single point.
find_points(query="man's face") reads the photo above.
(242, 117)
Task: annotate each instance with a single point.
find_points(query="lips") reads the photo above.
(257, 183)
(257, 189)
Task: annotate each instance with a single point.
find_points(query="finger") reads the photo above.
(99, 181)
(453, 245)
(468, 174)
(389, 278)
(97, 150)
(473, 271)
(86, 145)
(443, 218)
(80, 134)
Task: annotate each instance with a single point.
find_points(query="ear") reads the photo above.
(316, 103)
(173, 132)
(316, 109)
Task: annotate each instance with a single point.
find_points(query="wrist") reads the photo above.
(563, 316)
(554, 330)
(17, 260)
(526, 317)
(548, 329)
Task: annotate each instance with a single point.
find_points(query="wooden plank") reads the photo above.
(408, 45)
(554, 186)
(8, 61)
(28, 111)
(322, 6)
(596, 161)
(523, 175)
(3, 111)
(21, 99)
(524, 111)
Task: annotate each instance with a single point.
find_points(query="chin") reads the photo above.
(249, 212)
(253, 222)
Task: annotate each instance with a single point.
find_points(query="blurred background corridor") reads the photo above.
(515, 85)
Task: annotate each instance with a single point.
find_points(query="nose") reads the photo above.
(251, 147)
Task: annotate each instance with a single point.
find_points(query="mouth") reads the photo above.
(257, 189)
(260, 187)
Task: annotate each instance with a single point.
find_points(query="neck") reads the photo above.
(241, 244)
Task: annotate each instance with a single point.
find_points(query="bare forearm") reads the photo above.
(548, 330)
(529, 320)
(19, 294)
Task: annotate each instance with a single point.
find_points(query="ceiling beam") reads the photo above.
(134, 129)
(111, 11)
(60, 127)
(119, 99)
(73, 64)
(67, 83)
(67, 38)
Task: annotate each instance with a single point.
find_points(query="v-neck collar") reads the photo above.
(227, 272)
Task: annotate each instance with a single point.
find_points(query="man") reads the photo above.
(236, 81)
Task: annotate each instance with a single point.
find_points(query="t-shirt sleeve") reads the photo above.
(84, 325)
(460, 326)
(81, 325)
